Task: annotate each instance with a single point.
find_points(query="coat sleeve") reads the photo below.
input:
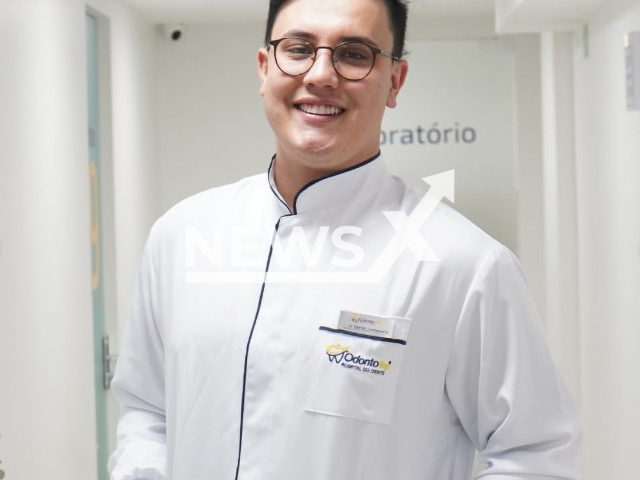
(139, 386)
(503, 384)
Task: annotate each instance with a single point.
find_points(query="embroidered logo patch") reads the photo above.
(340, 355)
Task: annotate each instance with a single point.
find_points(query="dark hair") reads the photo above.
(397, 10)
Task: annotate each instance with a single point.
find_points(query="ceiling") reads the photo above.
(219, 11)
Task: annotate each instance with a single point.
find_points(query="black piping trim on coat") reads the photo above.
(264, 283)
(246, 355)
(271, 186)
(362, 335)
(334, 174)
(313, 182)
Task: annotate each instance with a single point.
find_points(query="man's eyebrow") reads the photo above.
(300, 34)
(311, 37)
(357, 38)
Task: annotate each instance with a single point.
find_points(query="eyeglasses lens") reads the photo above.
(352, 60)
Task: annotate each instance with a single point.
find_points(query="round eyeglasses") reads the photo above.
(351, 60)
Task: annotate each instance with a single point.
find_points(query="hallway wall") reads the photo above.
(212, 129)
(45, 291)
(608, 206)
(47, 421)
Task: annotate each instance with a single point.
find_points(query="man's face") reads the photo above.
(339, 137)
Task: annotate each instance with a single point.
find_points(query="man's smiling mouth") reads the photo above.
(327, 110)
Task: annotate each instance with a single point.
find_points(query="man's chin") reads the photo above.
(320, 145)
(328, 159)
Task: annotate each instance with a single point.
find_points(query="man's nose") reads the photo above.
(322, 72)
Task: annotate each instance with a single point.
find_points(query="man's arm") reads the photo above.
(138, 385)
(503, 384)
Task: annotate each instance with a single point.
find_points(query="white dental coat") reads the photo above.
(224, 380)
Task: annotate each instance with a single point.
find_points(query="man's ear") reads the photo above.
(398, 76)
(263, 63)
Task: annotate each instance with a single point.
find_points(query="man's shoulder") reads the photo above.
(211, 204)
(456, 240)
(443, 222)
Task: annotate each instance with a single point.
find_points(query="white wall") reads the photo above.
(212, 129)
(608, 203)
(47, 419)
(460, 85)
(132, 166)
(46, 354)
(591, 184)
(528, 157)
(135, 142)
(558, 202)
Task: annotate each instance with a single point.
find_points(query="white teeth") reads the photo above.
(320, 109)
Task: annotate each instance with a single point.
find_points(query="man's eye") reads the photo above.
(298, 49)
(355, 55)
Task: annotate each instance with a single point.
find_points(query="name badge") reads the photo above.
(367, 324)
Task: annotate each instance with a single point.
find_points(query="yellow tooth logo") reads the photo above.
(336, 349)
(336, 352)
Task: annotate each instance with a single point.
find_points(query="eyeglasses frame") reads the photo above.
(375, 50)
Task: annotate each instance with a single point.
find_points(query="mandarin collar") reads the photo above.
(337, 189)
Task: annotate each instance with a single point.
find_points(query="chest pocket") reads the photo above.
(355, 375)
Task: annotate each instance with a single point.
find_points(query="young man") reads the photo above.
(370, 333)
